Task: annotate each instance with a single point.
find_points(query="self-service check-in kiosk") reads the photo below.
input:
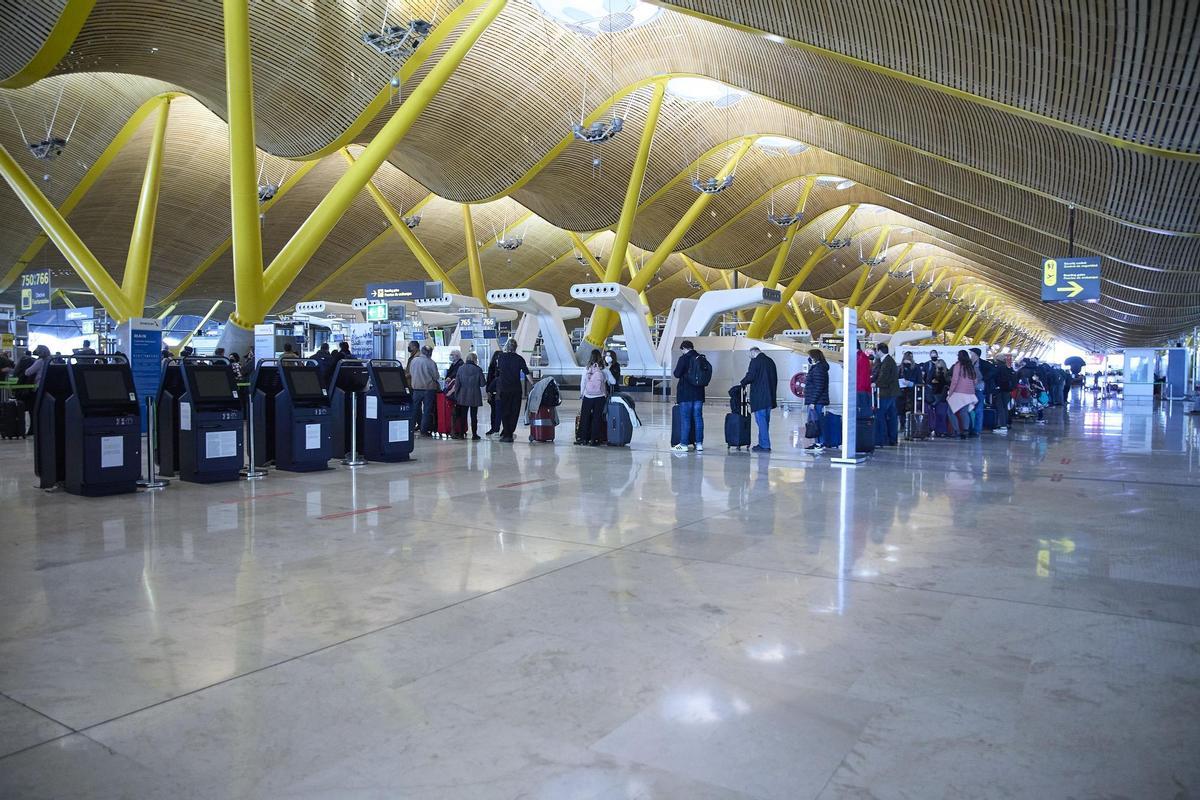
(199, 421)
(386, 413)
(347, 385)
(88, 431)
(292, 415)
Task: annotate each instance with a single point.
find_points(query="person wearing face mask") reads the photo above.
(613, 368)
(910, 376)
(763, 380)
(816, 396)
(930, 367)
(887, 380)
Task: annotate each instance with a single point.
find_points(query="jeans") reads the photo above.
(886, 422)
(422, 408)
(762, 418)
(977, 414)
(691, 422)
(817, 412)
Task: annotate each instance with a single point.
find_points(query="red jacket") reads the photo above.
(862, 374)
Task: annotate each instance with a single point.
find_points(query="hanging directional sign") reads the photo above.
(35, 290)
(1075, 280)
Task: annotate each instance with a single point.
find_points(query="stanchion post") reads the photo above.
(251, 472)
(353, 460)
(151, 481)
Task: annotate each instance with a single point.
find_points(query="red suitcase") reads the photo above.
(445, 415)
(541, 425)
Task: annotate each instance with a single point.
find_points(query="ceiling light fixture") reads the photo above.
(398, 41)
(594, 17)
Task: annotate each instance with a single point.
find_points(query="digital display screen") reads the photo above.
(391, 381)
(212, 384)
(106, 385)
(305, 383)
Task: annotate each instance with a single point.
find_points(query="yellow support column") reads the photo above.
(785, 249)
(602, 318)
(141, 241)
(98, 281)
(832, 317)
(642, 279)
(249, 304)
(419, 251)
(474, 268)
(946, 313)
(873, 295)
(760, 327)
(866, 270)
(304, 243)
(587, 256)
(799, 314)
(907, 320)
(912, 293)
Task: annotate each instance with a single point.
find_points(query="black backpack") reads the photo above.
(699, 371)
(550, 396)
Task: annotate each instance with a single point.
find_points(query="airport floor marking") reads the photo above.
(356, 512)
(254, 497)
(519, 483)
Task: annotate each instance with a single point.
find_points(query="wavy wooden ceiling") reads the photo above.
(984, 183)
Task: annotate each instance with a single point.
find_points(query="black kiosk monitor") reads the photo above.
(210, 423)
(385, 413)
(101, 424)
(303, 428)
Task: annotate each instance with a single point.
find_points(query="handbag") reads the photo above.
(812, 428)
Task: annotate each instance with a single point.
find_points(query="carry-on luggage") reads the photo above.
(916, 426)
(541, 425)
(989, 419)
(445, 415)
(12, 419)
(864, 437)
(619, 426)
(737, 423)
(676, 426)
(831, 430)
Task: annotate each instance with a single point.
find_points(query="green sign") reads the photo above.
(1075, 280)
(377, 312)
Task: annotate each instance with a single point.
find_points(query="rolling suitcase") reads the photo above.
(989, 418)
(445, 415)
(831, 430)
(618, 427)
(541, 425)
(864, 437)
(12, 419)
(675, 426)
(737, 424)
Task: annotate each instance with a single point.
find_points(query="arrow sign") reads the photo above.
(1071, 280)
(1073, 287)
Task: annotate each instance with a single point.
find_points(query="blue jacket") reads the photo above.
(762, 379)
(685, 392)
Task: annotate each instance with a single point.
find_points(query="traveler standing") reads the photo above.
(456, 361)
(613, 367)
(468, 395)
(414, 350)
(690, 393)
(86, 350)
(887, 380)
(763, 380)
(962, 396)
(423, 377)
(593, 392)
(910, 376)
(816, 395)
(512, 373)
(493, 398)
(929, 368)
(981, 369)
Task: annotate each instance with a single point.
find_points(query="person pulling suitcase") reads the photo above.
(763, 380)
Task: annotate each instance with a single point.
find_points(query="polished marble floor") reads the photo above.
(1011, 617)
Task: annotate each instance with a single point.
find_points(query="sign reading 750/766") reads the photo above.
(1071, 280)
(35, 290)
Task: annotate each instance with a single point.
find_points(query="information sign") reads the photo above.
(1071, 280)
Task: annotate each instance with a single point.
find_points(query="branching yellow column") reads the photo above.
(831, 316)
(474, 268)
(873, 295)
(587, 256)
(785, 249)
(602, 318)
(692, 268)
(141, 241)
(907, 320)
(912, 294)
(250, 306)
(304, 243)
(760, 327)
(98, 281)
(799, 314)
(419, 251)
(946, 313)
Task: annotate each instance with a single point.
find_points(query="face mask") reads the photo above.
(608, 360)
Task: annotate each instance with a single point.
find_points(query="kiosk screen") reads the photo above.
(391, 381)
(212, 384)
(106, 385)
(306, 384)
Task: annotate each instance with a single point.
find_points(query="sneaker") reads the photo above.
(699, 447)
(1001, 429)
(476, 437)
(812, 448)
(680, 448)
(757, 449)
